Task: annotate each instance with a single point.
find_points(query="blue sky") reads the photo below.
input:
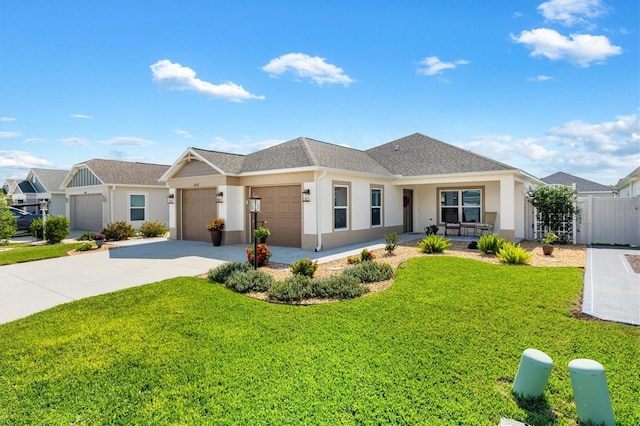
(544, 86)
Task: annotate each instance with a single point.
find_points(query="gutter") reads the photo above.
(318, 205)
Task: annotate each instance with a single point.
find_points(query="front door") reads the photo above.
(407, 210)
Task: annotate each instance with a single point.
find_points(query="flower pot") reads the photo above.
(263, 240)
(547, 250)
(216, 238)
(99, 243)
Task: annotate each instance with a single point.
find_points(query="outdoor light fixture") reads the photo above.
(219, 197)
(306, 195)
(254, 209)
(171, 198)
(254, 204)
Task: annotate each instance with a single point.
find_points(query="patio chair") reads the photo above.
(451, 221)
(487, 225)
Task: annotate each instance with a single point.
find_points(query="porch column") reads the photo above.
(507, 208)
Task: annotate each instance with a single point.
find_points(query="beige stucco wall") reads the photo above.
(156, 207)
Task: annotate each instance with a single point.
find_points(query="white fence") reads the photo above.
(609, 220)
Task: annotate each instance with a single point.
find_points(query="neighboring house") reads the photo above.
(99, 192)
(47, 183)
(584, 187)
(317, 195)
(629, 186)
(23, 194)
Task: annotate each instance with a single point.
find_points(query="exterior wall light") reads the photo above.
(171, 198)
(306, 195)
(220, 197)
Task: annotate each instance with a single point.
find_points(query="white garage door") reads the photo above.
(87, 212)
(198, 208)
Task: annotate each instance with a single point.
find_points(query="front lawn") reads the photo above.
(24, 252)
(441, 346)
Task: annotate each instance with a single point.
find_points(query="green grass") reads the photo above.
(441, 346)
(22, 252)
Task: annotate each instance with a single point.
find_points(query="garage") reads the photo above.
(198, 208)
(281, 208)
(86, 212)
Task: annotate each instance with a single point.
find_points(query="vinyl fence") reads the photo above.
(609, 220)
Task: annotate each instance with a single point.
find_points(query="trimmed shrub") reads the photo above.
(292, 289)
(391, 242)
(434, 244)
(250, 280)
(118, 231)
(57, 229)
(370, 272)
(354, 260)
(221, 273)
(35, 229)
(510, 253)
(153, 229)
(365, 255)
(84, 246)
(306, 267)
(491, 243)
(338, 287)
(86, 236)
(8, 225)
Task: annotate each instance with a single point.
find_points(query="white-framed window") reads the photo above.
(340, 207)
(461, 205)
(137, 207)
(376, 207)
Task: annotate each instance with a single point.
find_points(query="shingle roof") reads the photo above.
(114, 172)
(230, 163)
(582, 185)
(419, 155)
(51, 179)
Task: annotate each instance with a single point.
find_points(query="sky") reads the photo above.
(543, 86)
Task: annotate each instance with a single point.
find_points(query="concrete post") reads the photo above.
(590, 391)
(533, 373)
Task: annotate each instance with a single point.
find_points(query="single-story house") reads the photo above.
(98, 192)
(629, 186)
(23, 194)
(583, 187)
(47, 185)
(316, 195)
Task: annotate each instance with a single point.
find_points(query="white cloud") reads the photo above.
(182, 133)
(579, 49)
(86, 117)
(541, 78)
(619, 136)
(9, 135)
(127, 141)
(21, 160)
(74, 141)
(244, 146)
(572, 12)
(7, 119)
(433, 66)
(33, 140)
(308, 67)
(177, 77)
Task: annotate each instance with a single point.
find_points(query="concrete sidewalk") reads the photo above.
(611, 288)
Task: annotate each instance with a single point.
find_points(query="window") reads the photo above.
(376, 207)
(136, 207)
(460, 205)
(340, 207)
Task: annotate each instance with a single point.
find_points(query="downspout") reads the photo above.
(318, 206)
(111, 203)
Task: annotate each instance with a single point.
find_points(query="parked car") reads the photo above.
(23, 218)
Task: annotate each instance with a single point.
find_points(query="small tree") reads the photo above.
(556, 206)
(8, 223)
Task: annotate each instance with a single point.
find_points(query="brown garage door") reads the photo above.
(281, 207)
(198, 208)
(87, 212)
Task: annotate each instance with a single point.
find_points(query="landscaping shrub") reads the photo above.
(221, 273)
(491, 243)
(8, 225)
(117, 231)
(292, 289)
(306, 267)
(338, 287)
(152, 229)
(35, 229)
(354, 260)
(263, 254)
(84, 246)
(434, 244)
(86, 236)
(391, 242)
(370, 272)
(57, 229)
(510, 253)
(250, 280)
(365, 255)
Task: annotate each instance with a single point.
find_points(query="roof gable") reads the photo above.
(582, 185)
(50, 179)
(114, 172)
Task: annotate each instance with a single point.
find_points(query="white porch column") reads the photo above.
(507, 208)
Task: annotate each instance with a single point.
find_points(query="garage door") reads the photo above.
(87, 212)
(198, 208)
(281, 207)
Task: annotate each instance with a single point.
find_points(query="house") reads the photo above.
(47, 183)
(98, 192)
(316, 195)
(22, 193)
(584, 187)
(629, 186)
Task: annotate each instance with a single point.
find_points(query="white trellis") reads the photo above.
(567, 224)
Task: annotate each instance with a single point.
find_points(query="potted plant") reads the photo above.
(261, 233)
(263, 255)
(548, 239)
(99, 239)
(215, 228)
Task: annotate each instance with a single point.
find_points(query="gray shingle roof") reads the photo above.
(114, 172)
(230, 163)
(419, 155)
(51, 179)
(582, 185)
